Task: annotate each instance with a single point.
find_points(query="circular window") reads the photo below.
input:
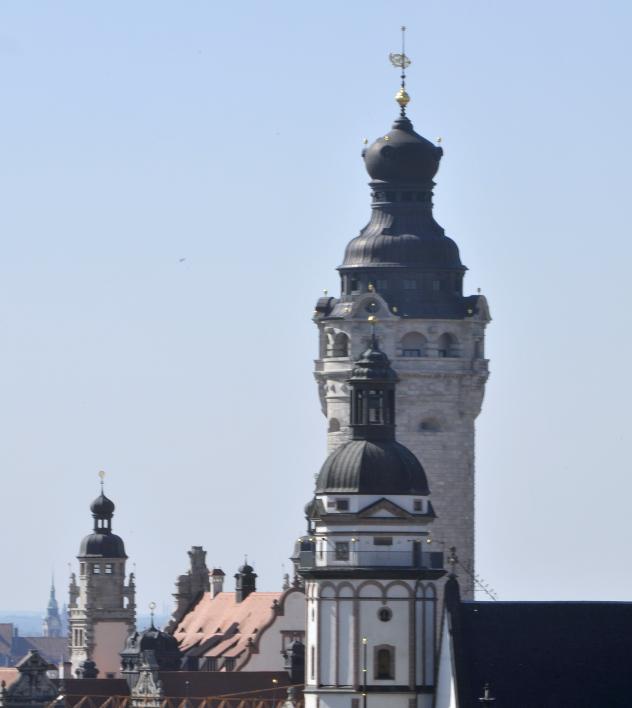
(385, 614)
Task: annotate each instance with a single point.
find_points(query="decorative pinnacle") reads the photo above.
(402, 62)
(101, 477)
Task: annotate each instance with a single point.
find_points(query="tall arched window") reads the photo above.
(337, 344)
(447, 345)
(384, 662)
(413, 344)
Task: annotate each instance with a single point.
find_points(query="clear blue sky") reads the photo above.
(133, 135)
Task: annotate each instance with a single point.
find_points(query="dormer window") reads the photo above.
(342, 504)
(418, 505)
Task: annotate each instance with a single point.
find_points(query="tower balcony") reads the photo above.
(367, 563)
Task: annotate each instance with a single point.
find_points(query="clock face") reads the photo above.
(372, 307)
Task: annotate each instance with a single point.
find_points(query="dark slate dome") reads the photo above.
(372, 467)
(103, 545)
(102, 507)
(421, 249)
(402, 156)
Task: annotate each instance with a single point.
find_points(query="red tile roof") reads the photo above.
(221, 626)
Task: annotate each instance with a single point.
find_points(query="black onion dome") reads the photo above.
(102, 507)
(103, 545)
(417, 247)
(402, 156)
(372, 467)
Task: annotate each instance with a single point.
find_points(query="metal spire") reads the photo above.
(402, 62)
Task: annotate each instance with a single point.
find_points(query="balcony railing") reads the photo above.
(413, 558)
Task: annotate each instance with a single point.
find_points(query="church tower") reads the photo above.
(102, 609)
(370, 576)
(52, 625)
(404, 270)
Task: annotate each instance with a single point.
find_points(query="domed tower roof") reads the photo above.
(102, 507)
(366, 467)
(373, 462)
(102, 543)
(403, 246)
(164, 649)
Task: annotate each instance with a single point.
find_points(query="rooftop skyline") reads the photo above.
(179, 185)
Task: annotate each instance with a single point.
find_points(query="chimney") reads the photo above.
(217, 576)
(245, 582)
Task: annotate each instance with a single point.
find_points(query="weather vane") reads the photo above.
(401, 61)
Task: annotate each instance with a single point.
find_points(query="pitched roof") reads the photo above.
(221, 626)
(544, 654)
(52, 649)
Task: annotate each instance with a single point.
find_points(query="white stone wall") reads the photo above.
(341, 613)
(438, 400)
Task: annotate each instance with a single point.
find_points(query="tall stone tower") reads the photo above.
(102, 608)
(52, 625)
(403, 270)
(370, 578)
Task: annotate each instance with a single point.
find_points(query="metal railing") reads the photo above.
(310, 558)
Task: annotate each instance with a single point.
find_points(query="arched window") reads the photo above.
(413, 344)
(384, 662)
(447, 345)
(337, 344)
(334, 425)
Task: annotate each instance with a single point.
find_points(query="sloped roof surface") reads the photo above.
(544, 654)
(221, 626)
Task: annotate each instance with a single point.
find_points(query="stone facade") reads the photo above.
(438, 399)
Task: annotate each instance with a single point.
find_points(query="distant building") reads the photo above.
(102, 605)
(52, 625)
(14, 647)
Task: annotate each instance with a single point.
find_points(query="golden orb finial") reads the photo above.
(402, 98)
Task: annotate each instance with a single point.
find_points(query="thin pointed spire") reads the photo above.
(403, 62)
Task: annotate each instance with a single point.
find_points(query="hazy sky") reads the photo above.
(134, 135)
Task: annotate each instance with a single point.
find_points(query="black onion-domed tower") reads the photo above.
(370, 574)
(403, 269)
(102, 608)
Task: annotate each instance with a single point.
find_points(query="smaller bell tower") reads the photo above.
(102, 610)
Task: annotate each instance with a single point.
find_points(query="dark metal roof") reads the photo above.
(544, 654)
(102, 507)
(373, 365)
(402, 155)
(102, 545)
(372, 467)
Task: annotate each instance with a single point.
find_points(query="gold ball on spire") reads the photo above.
(402, 97)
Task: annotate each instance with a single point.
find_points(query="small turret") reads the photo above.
(245, 582)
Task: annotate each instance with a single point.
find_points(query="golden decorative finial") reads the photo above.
(372, 319)
(402, 62)
(439, 140)
(102, 475)
(325, 291)
(371, 287)
(365, 141)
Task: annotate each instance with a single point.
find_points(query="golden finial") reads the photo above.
(402, 62)
(102, 475)
(372, 319)
(439, 140)
(365, 141)
(325, 291)
(371, 287)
